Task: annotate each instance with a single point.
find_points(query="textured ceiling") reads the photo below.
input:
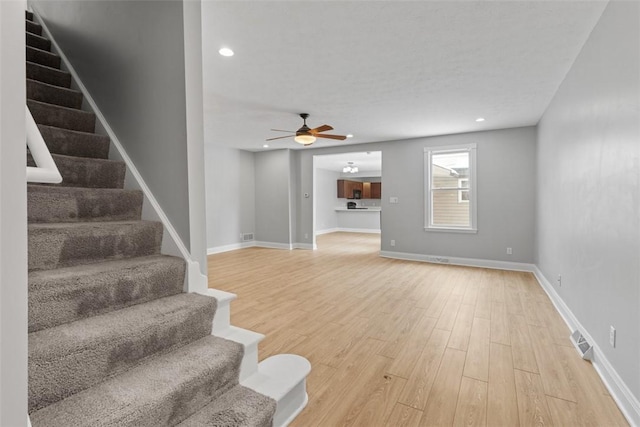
(384, 70)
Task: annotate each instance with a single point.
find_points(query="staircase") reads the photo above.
(113, 340)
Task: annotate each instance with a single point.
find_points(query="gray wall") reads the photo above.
(130, 55)
(326, 200)
(589, 191)
(506, 196)
(230, 195)
(272, 187)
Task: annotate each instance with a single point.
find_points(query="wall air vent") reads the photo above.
(246, 237)
(582, 346)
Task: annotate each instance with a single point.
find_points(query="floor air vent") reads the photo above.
(580, 343)
(246, 237)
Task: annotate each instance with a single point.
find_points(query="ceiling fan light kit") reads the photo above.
(307, 136)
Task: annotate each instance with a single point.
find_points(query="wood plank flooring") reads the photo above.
(399, 343)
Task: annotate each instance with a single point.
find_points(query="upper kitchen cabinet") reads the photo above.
(376, 190)
(349, 189)
(359, 190)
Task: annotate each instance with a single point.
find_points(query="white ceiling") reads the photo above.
(384, 70)
(368, 161)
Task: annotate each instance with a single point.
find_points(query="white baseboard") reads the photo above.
(347, 230)
(307, 246)
(469, 262)
(231, 247)
(624, 398)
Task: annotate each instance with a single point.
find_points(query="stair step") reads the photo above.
(40, 42)
(47, 74)
(42, 57)
(74, 143)
(34, 28)
(62, 117)
(65, 295)
(49, 203)
(163, 391)
(51, 94)
(28, 15)
(112, 343)
(283, 378)
(240, 406)
(87, 172)
(67, 244)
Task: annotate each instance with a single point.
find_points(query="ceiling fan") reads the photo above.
(306, 136)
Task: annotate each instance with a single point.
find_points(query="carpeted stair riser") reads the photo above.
(33, 28)
(65, 295)
(62, 117)
(162, 392)
(112, 343)
(44, 92)
(49, 75)
(240, 406)
(67, 244)
(73, 143)
(49, 203)
(41, 57)
(37, 41)
(87, 172)
(28, 15)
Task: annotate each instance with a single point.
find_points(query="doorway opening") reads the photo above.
(347, 193)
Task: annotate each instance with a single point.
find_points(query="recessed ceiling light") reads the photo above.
(265, 145)
(225, 51)
(350, 136)
(480, 119)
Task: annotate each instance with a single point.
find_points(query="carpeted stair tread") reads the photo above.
(40, 42)
(88, 172)
(33, 27)
(47, 74)
(75, 143)
(52, 203)
(162, 392)
(60, 245)
(239, 407)
(62, 117)
(42, 57)
(64, 295)
(51, 94)
(112, 343)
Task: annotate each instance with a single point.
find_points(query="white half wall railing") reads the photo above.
(45, 170)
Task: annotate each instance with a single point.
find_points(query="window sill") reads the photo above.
(452, 230)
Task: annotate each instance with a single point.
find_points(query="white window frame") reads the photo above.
(460, 199)
(473, 199)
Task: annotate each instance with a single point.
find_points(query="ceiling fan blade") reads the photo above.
(280, 130)
(280, 137)
(322, 128)
(340, 137)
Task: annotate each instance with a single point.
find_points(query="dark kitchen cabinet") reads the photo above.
(346, 188)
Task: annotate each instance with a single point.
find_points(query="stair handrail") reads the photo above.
(45, 170)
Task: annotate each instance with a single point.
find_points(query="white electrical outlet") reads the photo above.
(392, 243)
(509, 251)
(559, 280)
(306, 236)
(393, 200)
(612, 336)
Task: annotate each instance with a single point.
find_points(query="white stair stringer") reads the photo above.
(283, 378)
(222, 319)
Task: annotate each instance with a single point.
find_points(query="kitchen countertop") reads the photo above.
(366, 209)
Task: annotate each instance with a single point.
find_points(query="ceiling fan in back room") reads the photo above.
(307, 136)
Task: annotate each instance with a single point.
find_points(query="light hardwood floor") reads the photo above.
(395, 343)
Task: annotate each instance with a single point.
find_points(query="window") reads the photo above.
(450, 183)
